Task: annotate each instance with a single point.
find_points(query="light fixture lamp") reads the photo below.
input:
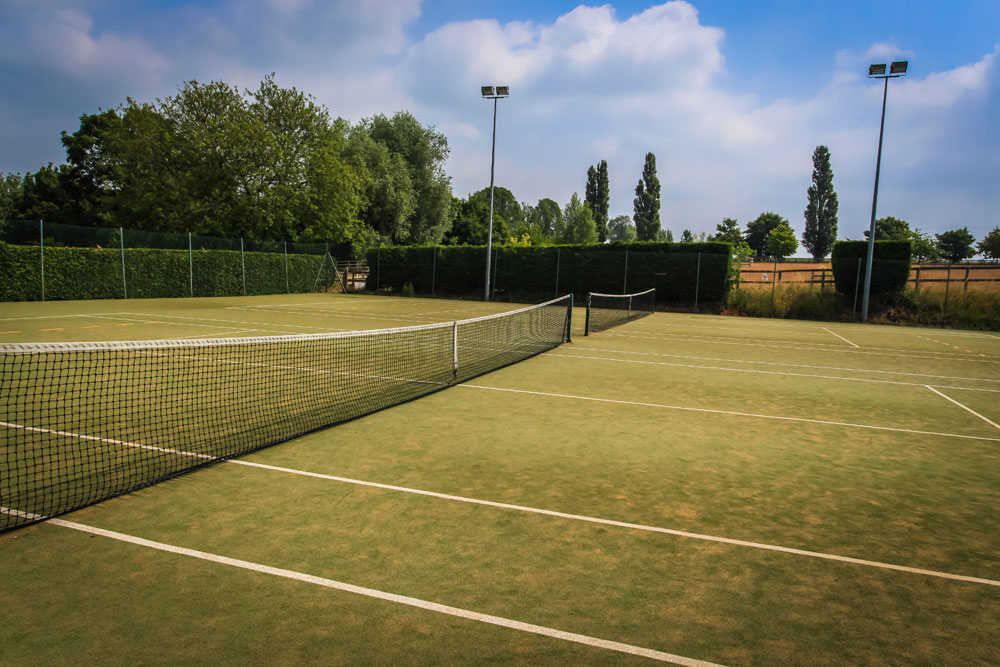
(492, 93)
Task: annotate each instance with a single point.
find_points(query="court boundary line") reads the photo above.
(840, 337)
(730, 412)
(510, 506)
(763, 372)
(955, 356)
(417, 603)
(577, 347)
(964, 407)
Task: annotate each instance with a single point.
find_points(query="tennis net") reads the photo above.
(605, 311)
(84, 422)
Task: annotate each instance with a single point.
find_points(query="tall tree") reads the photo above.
(728, 231)
(578, 222)
(550, 216)
(922, 246)
(781, 241)
(687, 236)
(821, 209)
(597, 196)
(646, 204)
(989, 247)
(620, 228)
(424, 151)
(956, 244)
(757, 231)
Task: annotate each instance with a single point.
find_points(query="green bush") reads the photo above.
(890, 267)
(680, 272)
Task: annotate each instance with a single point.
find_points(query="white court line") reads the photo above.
(425, 605)
(948, 356)
(732, 413)
(754, 370)
(578, 347)
(839, 336)
(991, 423)
(214, 319)
(531, 510)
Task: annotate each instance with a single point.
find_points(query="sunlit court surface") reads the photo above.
(688, 489)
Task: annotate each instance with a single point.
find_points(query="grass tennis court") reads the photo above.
(684, 488)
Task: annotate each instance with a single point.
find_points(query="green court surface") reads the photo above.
(687, 489)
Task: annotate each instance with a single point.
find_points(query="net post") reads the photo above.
(121, 235)
(288, 289)
(190, 266)
(697, 281)
(243, 266)
(569, 320)
(630, 308)
(586, 321)
(41, 238)
(454, 350)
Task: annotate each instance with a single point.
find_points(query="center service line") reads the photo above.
(991, 423)
(392, 597)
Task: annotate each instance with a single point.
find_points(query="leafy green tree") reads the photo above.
(387, 196)
(472, 221)
(620, 228)
(891, 229)
(579, 226)
(11, 188)
(781, 241)
(646, 205)
(687, 236)
(922, 247)
(821, 209)
(425, 151)
(757, 231)
(549, 216)
(728, 231)
(989, 247)
(956, 244)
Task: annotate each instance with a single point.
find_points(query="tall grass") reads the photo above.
(963, 310)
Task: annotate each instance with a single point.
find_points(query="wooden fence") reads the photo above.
(940, 276)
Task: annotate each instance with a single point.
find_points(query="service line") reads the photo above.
(991, 423)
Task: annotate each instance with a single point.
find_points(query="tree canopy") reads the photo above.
(989, 247)
(956, 244)
(758, 230)
(646, 205)
(781, 241)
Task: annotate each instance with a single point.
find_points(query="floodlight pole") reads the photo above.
(492, 93)
(878, 168)
(489, 237)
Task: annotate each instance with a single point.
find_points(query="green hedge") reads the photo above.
(680, 272)
(890, 266)
(96, 273)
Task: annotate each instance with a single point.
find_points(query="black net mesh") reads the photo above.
(605, 311)
(83, 422)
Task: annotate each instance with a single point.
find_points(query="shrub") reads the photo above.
(890, 267)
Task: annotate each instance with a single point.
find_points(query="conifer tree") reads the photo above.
(821, 209)
(646, 204)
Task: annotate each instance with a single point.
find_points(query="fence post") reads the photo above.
(496, 262)
(434, 268)
(916, 280)
(41, 237)
(774, 283)
(243, 267)
(190, 266)
(857, 283)
(966, 289)
(288, 290)
(697, 282)
(557, 271)
(121, 234)
(625, 281)
(378, 268)
(947, 285)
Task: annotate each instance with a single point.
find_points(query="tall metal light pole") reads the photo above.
(896, 70)
(491, 93)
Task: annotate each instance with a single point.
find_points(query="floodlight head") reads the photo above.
(898, 68)
(488, 90)
(876, 70)
(503, 91)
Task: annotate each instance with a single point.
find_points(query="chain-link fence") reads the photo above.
(49, 261)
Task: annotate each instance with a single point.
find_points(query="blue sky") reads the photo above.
(732, 97)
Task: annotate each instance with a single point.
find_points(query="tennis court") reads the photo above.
(686, 489)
